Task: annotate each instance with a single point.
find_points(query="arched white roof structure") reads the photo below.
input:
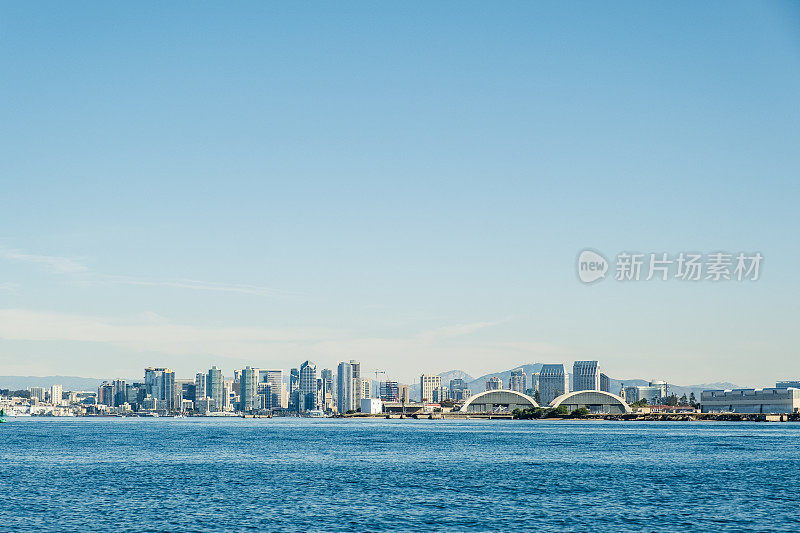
(501, 399)
(596, 401)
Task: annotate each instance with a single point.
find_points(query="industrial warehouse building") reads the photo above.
(502, 400)
(767, 401)
(596, 401)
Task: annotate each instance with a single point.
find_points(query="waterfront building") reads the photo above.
(535, 382)
(345, 398)
(214, 388)
(390, 392)
(653, 392)
(274, 377)
(37, 392)
(595, 401)
(366, 388)
(135, 393)
(199, 386)
(789, 384)
(358, 391)
(265, 397)
(605, 383)
(118, 392)
(186, 390)
(229, 396)
(759, 401)
(459, 390)
(160, 384)
(404, 392)
(328, 393)
(427, 384)
(498, 401)
(585, 375)
(553, 382)
(56, 393)
(517, 381)
(105, 394)
(494, 383)
(307, 397)
(371, 406)
(248, 385)
(440, 394)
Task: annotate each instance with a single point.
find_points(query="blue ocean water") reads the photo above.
(282, 474)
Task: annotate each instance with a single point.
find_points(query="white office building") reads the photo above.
(372, 406)
(427, 385)
(55, 394)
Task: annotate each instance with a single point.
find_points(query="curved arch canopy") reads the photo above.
(498, 400)
(596, 401)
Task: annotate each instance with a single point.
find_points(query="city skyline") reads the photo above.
(260, 392)
(212, 187)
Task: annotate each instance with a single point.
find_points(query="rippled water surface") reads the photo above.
(375, 475)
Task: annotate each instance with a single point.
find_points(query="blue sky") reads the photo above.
(408, 185)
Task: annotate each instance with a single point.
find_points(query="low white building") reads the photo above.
(766, 401)
(372, 406)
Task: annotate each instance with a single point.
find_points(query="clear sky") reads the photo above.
(231, 183)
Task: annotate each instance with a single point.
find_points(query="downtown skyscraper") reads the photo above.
(553, 382)
(586, 375)
(345, 394)
(307, 387)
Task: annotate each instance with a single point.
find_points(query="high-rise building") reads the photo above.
(55, 394)
(215, 389)
(358, 390)
(199, 387)
(105, 394)
(328, 393)
(248, 383)
(494, 383)
(228, 396)
(440, 394)
(390, 392)
(345, 397)
(653, 393)
(160, 384)
(605, 383)
(307, 387)
(366, 388)
(274, 377)
(585, 375)
(37, 392)
(459, 390)
(553, 382)
(187, 392)
(294, 380)
(427, 384)
(517, 381)
(535, 382)
(119, 392)
(404, 393)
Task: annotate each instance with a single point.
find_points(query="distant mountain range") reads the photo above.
(69, 383)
